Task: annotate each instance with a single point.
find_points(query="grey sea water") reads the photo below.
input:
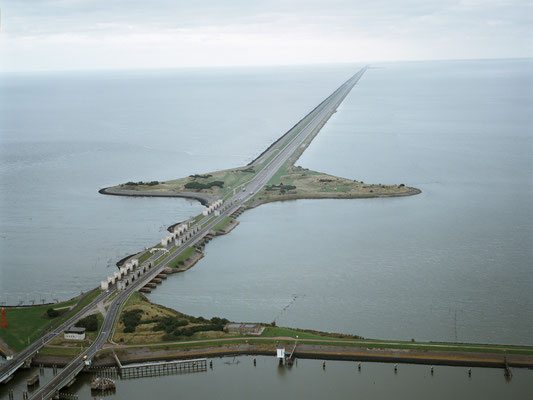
(453, 263)
(63, 136)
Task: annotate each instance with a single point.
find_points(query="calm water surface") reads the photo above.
(453, 263)
(63, 136)
(237, 378)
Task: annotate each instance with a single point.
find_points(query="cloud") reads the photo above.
(88, 34)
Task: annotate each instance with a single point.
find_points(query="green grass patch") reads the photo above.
(61, 351)
(26, 324)
(278, 176)
(145, 257)
(208, 221)
(198, 218)
(273, 331)
(222, 224)
(179, 260)
(165, 256)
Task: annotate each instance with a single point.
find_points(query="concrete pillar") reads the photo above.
(104, 285)
(135, 262)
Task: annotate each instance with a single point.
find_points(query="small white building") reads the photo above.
(75, 333)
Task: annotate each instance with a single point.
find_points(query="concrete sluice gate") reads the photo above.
(126, 275)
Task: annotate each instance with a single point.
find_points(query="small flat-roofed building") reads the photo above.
(244, 329)
(75, 333)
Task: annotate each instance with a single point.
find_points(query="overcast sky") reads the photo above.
(110, 34)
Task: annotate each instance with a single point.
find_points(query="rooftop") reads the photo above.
(75, 329)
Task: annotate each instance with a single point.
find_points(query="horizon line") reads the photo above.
(251, 66)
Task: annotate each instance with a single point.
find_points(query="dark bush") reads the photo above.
(200, 186)
(189, 331)
(219, 321)
(169, 324)
(201, 176)
(52, 313)
(90, 323)
(131, 319)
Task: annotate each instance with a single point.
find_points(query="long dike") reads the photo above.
(306, 134)
(305, 349)
(308, 124)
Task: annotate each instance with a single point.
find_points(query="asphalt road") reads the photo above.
(33, 348)
(310, 123)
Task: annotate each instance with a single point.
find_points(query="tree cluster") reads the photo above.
(200, 186)
(90, 323)
(131, 319)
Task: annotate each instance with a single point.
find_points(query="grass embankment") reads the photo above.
(143, 322)
(213, 183)
(288, 183)
(145, 257)
(152, 314)
(180, 260)
(222, 224)
(26, 324)
(165, 256)
(292, 182)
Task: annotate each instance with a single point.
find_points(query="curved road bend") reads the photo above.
(322, 112)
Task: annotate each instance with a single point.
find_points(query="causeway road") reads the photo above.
(273, 159)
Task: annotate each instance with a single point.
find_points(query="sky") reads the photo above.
(134, 34)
